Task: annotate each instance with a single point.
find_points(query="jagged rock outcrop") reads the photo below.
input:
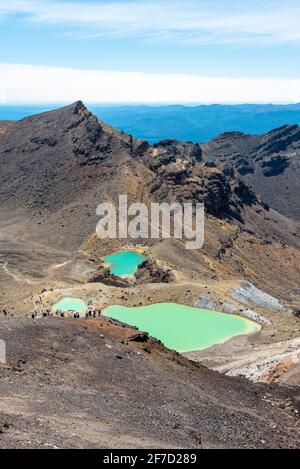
(182, 176)
(103, 275)
(150, 272)
(269, 163)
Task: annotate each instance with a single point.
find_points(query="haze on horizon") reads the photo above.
(155, 51)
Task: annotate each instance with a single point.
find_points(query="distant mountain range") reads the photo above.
(188, 123)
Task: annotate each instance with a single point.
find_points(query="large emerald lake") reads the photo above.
(183, 328)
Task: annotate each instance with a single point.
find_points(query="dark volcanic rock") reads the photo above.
(275, 165)
(140, 337)
(103, 275)
(270, 163)
(150, 272)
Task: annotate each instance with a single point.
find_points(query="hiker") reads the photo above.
(32, 316)
(99, 313)
(38, 300)
(86, 315)
(94, 313)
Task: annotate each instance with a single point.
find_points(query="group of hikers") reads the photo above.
(46, 312)
(91, 313)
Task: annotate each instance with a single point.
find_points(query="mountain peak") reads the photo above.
(78, 106)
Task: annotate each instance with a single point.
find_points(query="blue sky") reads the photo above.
(231, 39)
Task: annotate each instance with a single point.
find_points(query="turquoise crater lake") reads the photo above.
(183, 328)
(124, 262)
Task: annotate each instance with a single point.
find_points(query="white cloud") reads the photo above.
(190, 22)
(31, 83)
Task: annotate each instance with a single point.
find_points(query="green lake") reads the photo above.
(70, 304)
(183, 328)
(124, 262)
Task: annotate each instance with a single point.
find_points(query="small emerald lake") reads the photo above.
(124, 262)
(183, 328)
(70, 304)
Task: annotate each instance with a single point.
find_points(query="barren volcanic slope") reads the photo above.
(86, 384)
(55, 169)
